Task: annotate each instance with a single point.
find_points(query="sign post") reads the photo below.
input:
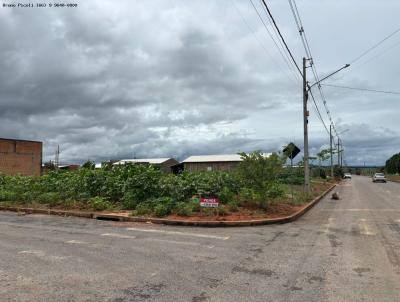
(209, 202)
(291, 150)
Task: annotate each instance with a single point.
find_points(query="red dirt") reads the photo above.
(274, 211)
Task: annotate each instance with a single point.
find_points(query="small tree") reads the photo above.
(259, 172)
(323, 155)
(338, 171)
(89, 165)
(392, 165)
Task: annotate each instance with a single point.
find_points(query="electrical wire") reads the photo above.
(361, 64)
(271, 36)
(319, 113)
(293, 67)
(283, 40)
(297, 18)
(363, 89)
(374, 46)
(262, 45)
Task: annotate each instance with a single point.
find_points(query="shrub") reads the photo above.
(99, 203)
(338, 172)
(183, 209)
(8, 196)
(257, 172)
(275, 190)
(161, 210)
(129, 201)
(232, 206)
(226, 195)
(143, 209)
(50, 198)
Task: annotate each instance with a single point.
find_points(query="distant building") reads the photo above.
(20, 157)
(165, 164)
(222, 162)
(69, 167)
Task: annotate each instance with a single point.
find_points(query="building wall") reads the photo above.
(167, 165)
(19, 157)
(210, 166)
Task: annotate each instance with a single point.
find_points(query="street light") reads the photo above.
(306, 89)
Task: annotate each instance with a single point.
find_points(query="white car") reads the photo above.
(347, 175)
(379, 177)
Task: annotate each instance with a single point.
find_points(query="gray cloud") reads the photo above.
(159, 78)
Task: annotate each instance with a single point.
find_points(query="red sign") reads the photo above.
(209, 202)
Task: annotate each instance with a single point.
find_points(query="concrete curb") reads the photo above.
(115, 217)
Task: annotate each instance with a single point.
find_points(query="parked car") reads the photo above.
(379, 177)
(347, 175)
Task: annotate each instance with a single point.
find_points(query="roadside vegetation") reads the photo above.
(258, 185)
(392, 168)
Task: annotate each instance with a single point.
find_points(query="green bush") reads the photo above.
(50, 198)
(99, 203)
(129, 201)
(338, 172)
(183, 209)
(161, 210)
(226, 195)
(8, 196)
(143, 209)
(147, 190)
(275, 190)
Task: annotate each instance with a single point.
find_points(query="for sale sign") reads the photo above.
(209, 202)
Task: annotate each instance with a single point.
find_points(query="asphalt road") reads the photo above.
(345, 250)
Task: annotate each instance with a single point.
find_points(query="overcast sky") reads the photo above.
(172, 78)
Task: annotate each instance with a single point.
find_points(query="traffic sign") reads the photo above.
(291, 150)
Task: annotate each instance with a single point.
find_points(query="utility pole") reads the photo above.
(306, 88)
(330, 138)
(341, 157)
(305, 122)
(338, 152)
(57, 157)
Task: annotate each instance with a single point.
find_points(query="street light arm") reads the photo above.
(329, 75)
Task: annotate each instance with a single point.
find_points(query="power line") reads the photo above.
(271, 36)
(307, 49)
(283, 40)
(293, 67)
(261, 44)
(377, 55)
(319, 113)
(374, 46)
(363, 89)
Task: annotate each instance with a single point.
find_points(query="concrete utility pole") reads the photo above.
(338, 152)
(306, 88)
(341, 154)
(305, 122)
(330, 138)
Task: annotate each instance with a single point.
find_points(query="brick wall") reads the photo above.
(19, 157)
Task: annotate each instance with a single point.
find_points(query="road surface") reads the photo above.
(345, 250)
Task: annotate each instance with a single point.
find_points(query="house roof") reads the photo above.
(216, 158)
(212, 158)
(20, 140)
(154, 161)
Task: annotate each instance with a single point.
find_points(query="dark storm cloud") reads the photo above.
(173, 79)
